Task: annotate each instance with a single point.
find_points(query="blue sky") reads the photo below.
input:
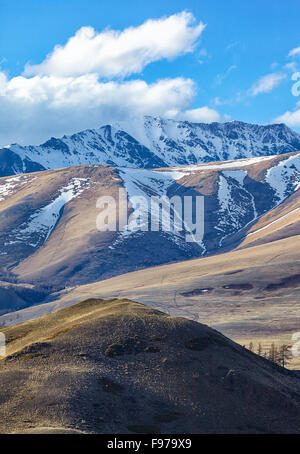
(237, 67)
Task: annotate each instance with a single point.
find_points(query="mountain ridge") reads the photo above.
(151, 142)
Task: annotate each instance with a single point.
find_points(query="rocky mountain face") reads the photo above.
(183, 142)
(151, 142)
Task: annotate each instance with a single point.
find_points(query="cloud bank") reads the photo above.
(36, 108)
(119, 54)
(290, 118)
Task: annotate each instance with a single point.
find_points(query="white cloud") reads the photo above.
(290, 118)
(33, 109)
(67, 93)
(63, 92)
(267, 83)
(113, 53)
(294, 52)
(201, 115)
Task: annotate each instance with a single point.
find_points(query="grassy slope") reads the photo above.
(57, 376)
(256, 311)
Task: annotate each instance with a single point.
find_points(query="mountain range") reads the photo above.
(48, 218)
(151, 142)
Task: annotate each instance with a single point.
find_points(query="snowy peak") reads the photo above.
(152, 142)
(188, 143)
(105, 145)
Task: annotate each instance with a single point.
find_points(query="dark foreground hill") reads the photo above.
(115, 366)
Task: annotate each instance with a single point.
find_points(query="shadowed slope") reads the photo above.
(119, 367)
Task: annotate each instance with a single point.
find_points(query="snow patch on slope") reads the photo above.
(234, 207)
(146, 184)
(41, 223)
(9, 186)
(226, 165)
(285, 177)
(237, 175)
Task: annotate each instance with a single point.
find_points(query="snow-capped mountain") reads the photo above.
(52, 214)
(106, 145)
(151, 142)
(183, 142)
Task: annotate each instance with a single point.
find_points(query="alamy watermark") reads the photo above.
(296, 345)
(2, 345)
(296, 86)
(157, 213)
